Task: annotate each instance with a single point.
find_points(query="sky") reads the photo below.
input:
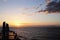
(24, 12)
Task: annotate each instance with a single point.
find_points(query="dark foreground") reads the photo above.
(30, 33)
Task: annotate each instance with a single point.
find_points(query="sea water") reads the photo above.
(38, 33)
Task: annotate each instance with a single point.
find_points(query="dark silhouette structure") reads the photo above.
(7, 34)
(5, 31)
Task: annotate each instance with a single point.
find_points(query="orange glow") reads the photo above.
(18, 23)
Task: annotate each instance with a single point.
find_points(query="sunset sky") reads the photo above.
(24, 12)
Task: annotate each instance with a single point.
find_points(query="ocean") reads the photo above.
(38, 33)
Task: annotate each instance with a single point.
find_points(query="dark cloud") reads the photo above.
(52, 7)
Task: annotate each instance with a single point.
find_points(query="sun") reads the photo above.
(17, 23)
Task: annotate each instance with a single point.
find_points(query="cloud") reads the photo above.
(52, 7)
(34, 7)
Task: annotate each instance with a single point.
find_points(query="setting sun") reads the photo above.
(17, 23)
